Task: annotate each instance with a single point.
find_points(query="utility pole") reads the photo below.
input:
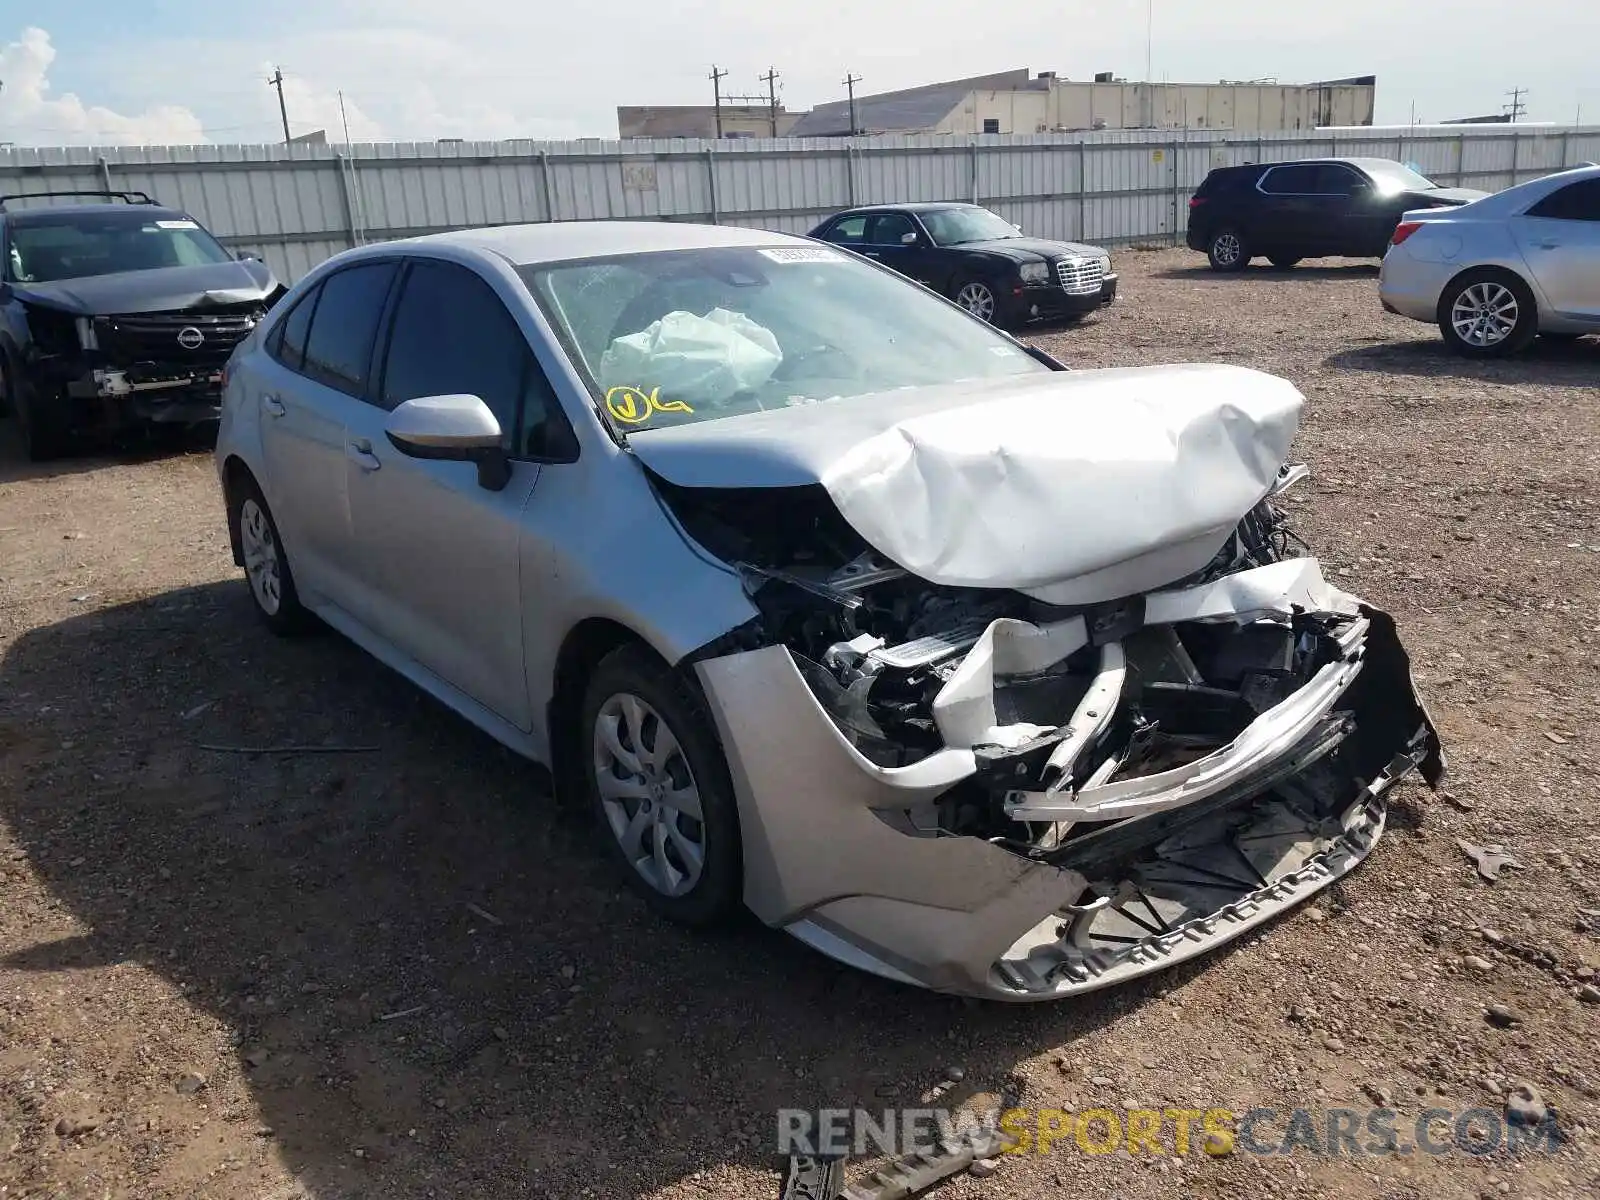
(771, 80)
(716, 78)
(277, 82)
(850, 82)
(1516, 108)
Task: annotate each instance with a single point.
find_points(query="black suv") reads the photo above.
(117, 314)
(978, 259)
(1308, 208)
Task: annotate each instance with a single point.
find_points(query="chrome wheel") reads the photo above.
(261, 562)
(977, 299)
(1226, 249)
(1485, 314)
(648, 795)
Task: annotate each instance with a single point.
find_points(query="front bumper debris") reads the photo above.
(1100, 879)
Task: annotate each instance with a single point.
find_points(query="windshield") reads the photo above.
(45, 249)
(953, 226)
(692, 335)
(1392, 177)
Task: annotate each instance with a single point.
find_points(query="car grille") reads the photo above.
(178, 338)
(1081, 276)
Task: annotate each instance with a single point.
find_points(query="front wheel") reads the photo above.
(979, 299)
(660, 790)
(266, 565)
(43, 420)
(1487, 313)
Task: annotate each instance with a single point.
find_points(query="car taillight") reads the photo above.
(1404, 230)
(1196, 201)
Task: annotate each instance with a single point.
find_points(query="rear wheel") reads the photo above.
(1228, 251)
(1283, 262)
(1487, 313)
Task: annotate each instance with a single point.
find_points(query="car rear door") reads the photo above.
(440, 550)
(304, 386)
(1292, 216)
(1560, 239)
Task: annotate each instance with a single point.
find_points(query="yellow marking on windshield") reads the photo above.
(635, 406)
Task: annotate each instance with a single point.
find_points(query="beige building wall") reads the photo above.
(700, 121)
(1246, 108)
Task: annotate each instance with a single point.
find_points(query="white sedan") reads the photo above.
(827, 598)
(1496, 273)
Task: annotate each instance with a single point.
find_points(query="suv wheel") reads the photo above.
(659, 788)
(1487, 313)
(1228, 251)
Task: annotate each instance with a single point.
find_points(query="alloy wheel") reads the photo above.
(1485, 314)
(648, 794)
(261, 563)
(977, 299)
(1226, 249)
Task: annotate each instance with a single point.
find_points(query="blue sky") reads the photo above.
(164, 70)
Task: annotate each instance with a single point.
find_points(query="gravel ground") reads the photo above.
(197, 948)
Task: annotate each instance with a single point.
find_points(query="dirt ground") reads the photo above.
(198, 948)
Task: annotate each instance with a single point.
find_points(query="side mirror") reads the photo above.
(908, 239)
(249, 256)
(455, 429)
(1018, 228)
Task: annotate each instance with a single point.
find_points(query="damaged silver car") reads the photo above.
(832, 601)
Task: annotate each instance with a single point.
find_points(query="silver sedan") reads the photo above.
(828, 599)
(1497, 273)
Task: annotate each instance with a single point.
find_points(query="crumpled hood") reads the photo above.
(1074, 487)
(154, 291)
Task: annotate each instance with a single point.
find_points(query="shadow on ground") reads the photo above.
(1545, 363)
(1257, 272)
(300, 897)
(95, 454)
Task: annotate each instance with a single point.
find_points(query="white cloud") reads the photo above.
(29, 114)
(312, 106)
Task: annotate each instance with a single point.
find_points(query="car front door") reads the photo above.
(1560, 239)
(1361, 217)
(305, 386)
(441, 549)
(1293, 218)
(886, 241)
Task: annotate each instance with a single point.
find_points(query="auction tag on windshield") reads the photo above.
(800, 254)
(176, 225)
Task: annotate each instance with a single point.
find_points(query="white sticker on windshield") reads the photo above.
(176, 225)
(801, 254)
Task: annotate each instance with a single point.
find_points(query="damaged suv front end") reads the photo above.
(1078, 742)
(115, 317)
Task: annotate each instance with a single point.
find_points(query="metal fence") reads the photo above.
(296, 205)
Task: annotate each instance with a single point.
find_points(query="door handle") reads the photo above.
(273, 406)
(359, 451)
(1547, 244)
(872, 254)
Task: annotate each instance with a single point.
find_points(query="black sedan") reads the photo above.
(1308, 208)
(978, 259)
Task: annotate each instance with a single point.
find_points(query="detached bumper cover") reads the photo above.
(834, 854)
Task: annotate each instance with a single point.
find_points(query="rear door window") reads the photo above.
(1290, 181)
(338, 350)
(1576, 202)
(851, 231)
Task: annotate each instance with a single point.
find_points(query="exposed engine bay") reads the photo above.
(1186, 751)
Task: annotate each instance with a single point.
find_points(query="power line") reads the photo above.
(1516, 108)
(283, 111)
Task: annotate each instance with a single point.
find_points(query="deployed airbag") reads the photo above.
(701, 360)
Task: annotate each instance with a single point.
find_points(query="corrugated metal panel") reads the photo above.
(297, 205)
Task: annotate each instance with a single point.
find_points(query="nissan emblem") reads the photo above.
(191, 338)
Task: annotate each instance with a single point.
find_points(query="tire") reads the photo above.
(1228, 250)
(1487, 313)
(631, 698)
(978, 298)
(46, 434)
(1284, 262)
(266, 563)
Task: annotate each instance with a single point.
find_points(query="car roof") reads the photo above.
(915, 206)
(159, 212)
(1359, 163)
(561, 241)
